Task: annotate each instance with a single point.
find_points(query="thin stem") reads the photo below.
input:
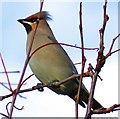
(5, 70)
(25, 65)
(100, 62)
(93, 84)
(47, 44)
(111, 47)
(83, 60)
(10, 72)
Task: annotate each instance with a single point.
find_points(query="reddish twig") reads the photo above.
(5, 70)
(100, 63)
(110, 50)
(83, 61)
(102, 30)
(3, 84)
(89, 106)
(41, 6)
(26, 63)
(52, 83)
(26, 79)
(91, 69)
(47, 44)
(115, 107)
(77, 63)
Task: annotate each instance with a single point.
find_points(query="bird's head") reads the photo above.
(30, 21)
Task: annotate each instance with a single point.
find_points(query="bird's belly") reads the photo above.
(49, 65)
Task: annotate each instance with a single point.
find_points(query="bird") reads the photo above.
(52, 62)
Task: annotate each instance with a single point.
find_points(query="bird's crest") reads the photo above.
(43, 15)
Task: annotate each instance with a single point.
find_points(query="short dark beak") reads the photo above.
(26, 24)
(20, 20)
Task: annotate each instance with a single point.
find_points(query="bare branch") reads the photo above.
(102, 30)
(4, 115)
(89, 106)
(50, 84)
(111, 47)
(115, 107)
(54, 84)
(100, 62)
(26, 63)
(69, 45)
(10, 72)
(2, 83)
(5, 70)
(83, 60)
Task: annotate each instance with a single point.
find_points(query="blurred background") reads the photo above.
(65, 26)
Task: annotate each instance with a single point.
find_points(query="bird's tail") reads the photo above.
(96, 104)
(84, 97)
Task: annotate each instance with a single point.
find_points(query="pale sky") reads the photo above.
(65, 24)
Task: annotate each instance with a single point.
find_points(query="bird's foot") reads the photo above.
(54, 84)
(40, 85)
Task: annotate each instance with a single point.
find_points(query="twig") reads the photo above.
(100, 63)
(67, 79)
(110, 50)
(23, 72)
(14, 107)
(4, 115)
(77, 63)
(69, 45)
(10, 72)
(114, 52)
(7, 108)
(83, 61)
(25, 65)
(2, 83)
(49, 84)
(90, 68)
(115, 107)
(105, 19)
(11, 83)
(5, 70)
(26, 79)
(89, 106)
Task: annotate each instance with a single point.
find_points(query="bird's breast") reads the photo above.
(51, 62)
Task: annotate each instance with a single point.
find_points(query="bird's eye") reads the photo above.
(33, 20)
